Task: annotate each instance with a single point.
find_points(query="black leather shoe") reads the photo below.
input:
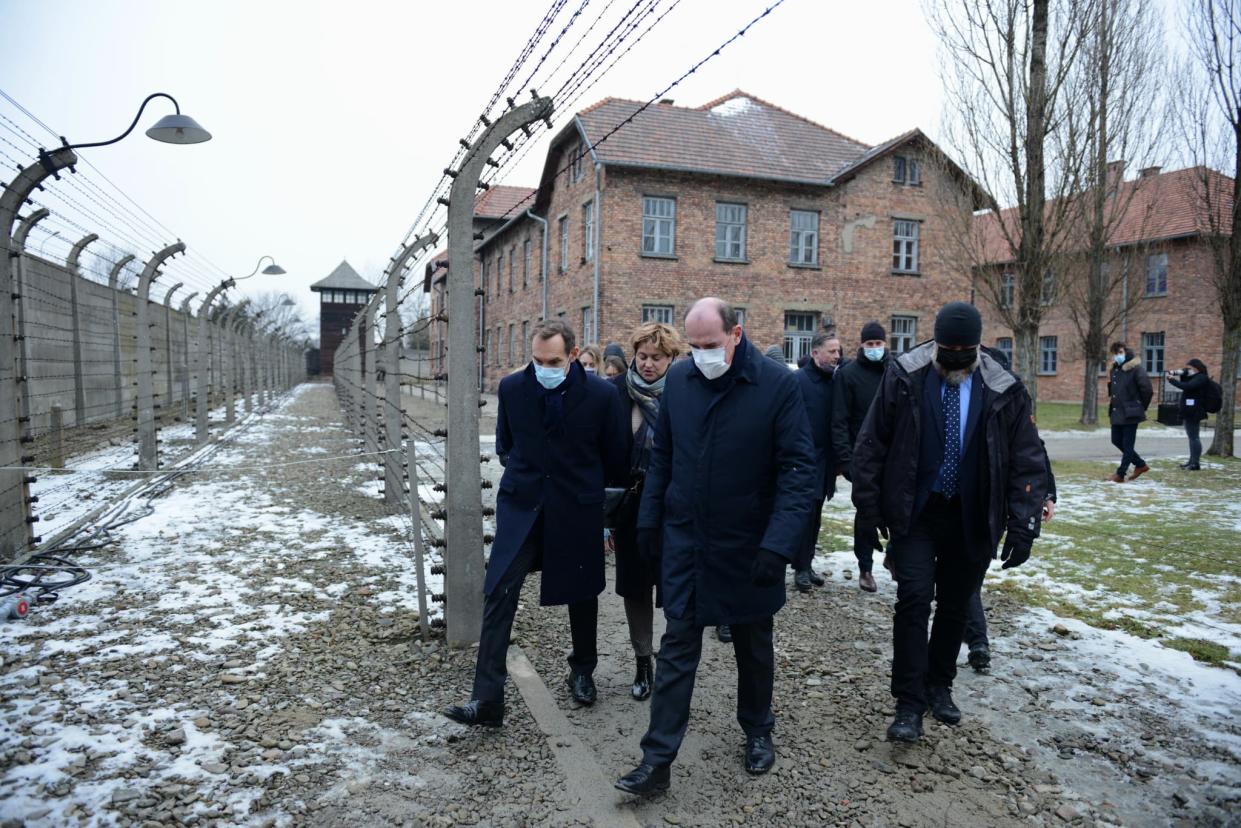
(583, 687)
(760, 754)
(802, 581)
(906, 727)
(980, 658)
(724, 633)
(477, 713)
(642, 679)
(942, 706)
(645, 780)
(815, 578)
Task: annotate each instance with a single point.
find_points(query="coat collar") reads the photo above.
(993, 375)
(749, 368)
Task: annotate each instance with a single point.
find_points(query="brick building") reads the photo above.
(1161, 247)
(341, 294)
(800, 227)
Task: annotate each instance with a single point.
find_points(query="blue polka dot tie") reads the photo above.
(951, 472)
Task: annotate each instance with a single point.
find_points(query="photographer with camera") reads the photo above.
(1198, 397)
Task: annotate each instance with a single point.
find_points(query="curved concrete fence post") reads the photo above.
(148, 455)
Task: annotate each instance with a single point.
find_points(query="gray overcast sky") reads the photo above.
(333, 120)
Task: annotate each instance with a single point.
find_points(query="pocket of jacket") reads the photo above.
(1134, 408)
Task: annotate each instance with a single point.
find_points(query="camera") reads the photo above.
(1179, 372)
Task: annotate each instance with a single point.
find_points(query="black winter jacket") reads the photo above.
(1129, 390)
(817, 386)
(885, 459)
(854, 387)
(1193, 395)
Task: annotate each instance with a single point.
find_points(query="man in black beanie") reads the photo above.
(855, 386)
(948, 460)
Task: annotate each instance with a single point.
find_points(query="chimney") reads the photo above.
(1149, 172)
(666, 102)
(1115, 174)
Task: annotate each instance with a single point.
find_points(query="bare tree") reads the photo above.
(1008, 68)
(1210, 122)
(1121, 76)
(282, 312)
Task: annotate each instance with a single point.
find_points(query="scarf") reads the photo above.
(646, 396)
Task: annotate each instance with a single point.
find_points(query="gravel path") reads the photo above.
(248, 654)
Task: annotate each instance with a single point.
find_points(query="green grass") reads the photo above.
(1062, 416)
(1207, 651)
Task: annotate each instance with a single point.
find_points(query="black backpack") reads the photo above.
(1213, 400)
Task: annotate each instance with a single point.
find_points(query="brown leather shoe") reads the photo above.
(867, 582)
(1138, 472)
(1115, 478)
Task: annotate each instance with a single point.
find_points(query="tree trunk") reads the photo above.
(1026, 359)
(1226, 419)
(1090, 393)
(1230, 310)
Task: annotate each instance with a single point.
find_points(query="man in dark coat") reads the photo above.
(948, 460)
(728, 493)
(854, 387)
(815, 380)
(1129, 395)
(562, 437)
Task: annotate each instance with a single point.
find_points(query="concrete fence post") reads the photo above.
(148, 455)
(57, 437)
(184, 367)
(463, 610)
(16, 519)
(203, 375)
(168, 374)
(75, 312)
(118, 375)
(21, 286)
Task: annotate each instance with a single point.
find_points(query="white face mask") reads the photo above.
(710, 362)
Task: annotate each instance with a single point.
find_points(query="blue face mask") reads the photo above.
(549, 377)
(1120, 359)
(874, 354)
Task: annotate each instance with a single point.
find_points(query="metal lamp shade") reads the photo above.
(274, 270)
(178, 129)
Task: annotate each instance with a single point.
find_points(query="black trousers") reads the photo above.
(1192, 428)
(931, 563)
(1124, 437)
(679, 653)
(976, 622)
(501, 607)
(862, 547)
(805, 554)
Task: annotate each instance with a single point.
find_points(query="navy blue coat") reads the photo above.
(731, 472)
(561, 476)
(816, 391)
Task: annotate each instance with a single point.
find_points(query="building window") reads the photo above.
(1048, 292)
(657, 313)
(1007, 283)
(898, 169)
(511, 336)
(512, 266)
(486, 280)
(730, 231)
(564, 243)
(659, 217)
(799, 330)
(575, 162)
(905, 170)
(1005, 346)
(804, 237)
(499, 358)
(525, 340)
(1047, 358)
(587, 339)
(904, 333)
(1157, 274)
(487, 347)
(740, 317)
(905, 246)
(1152, 352)
(588, 231)
(915, 177)
(525, 263)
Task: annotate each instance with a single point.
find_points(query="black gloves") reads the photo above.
(870, 531)
(650, 544)
(1016, 548)
(768, 568)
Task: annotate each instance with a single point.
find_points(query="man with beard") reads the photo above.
(815, 380)
(854, 387)
(948, 460)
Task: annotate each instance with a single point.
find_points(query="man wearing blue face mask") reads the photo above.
(562, 436)
(854, 388)
(728, 492)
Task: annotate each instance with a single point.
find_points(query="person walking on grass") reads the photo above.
(815, 380)
(1196, 391)
(561, 436)
(948, 460)
(728, 493)
(854, 387)
(1129, 395)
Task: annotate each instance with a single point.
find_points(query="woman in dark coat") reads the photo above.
(655, 347)
(1194, 384)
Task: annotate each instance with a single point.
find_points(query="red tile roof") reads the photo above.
(502, 201)
(1156, 207)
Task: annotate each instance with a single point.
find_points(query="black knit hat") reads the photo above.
(873, 330)
(958, 323)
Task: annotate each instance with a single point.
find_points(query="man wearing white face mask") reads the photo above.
(728, 491)
(562, 435)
